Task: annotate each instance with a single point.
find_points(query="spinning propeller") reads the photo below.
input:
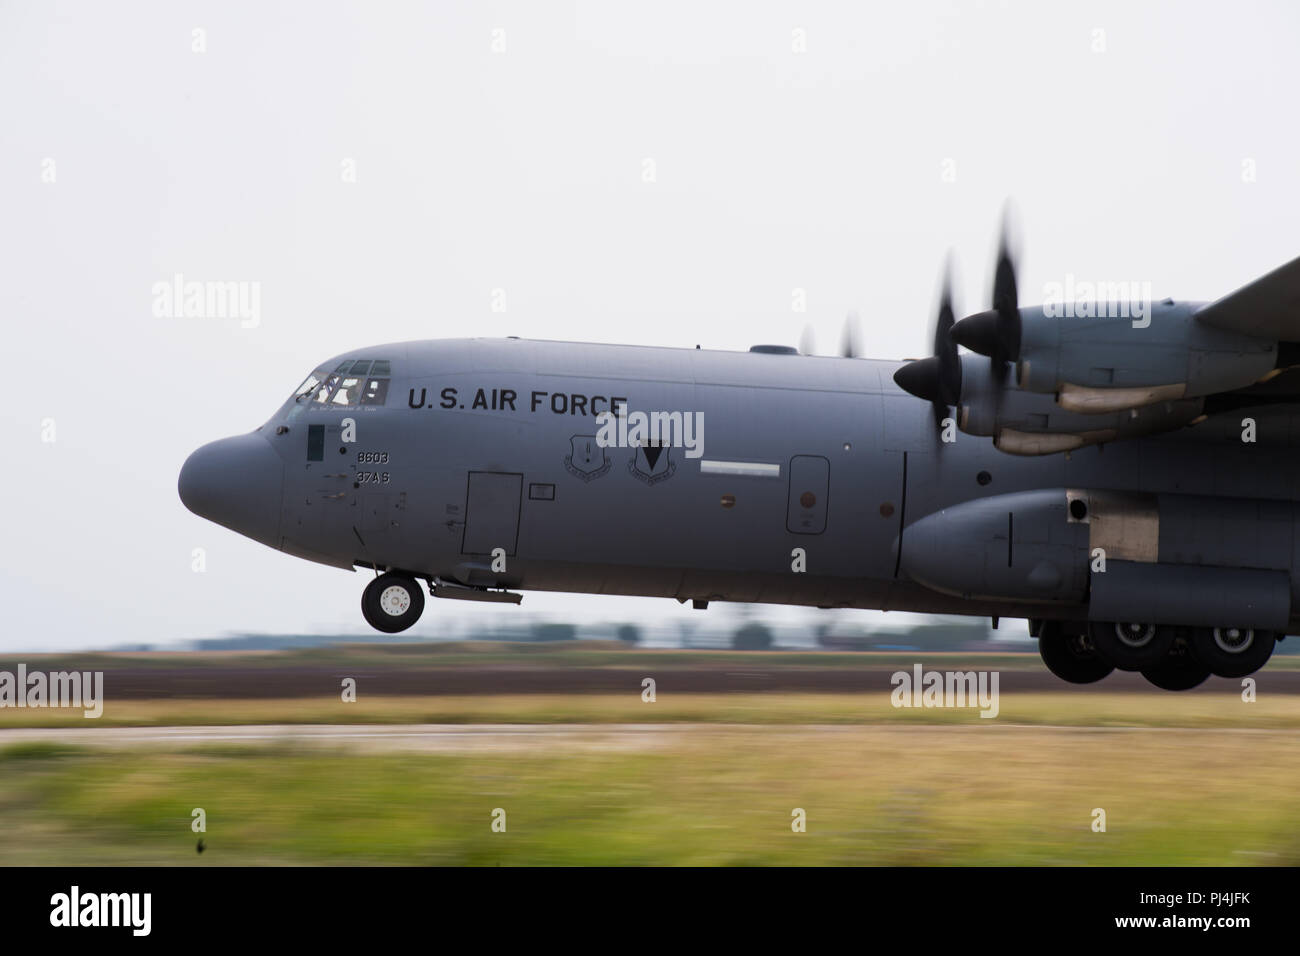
(995, 333)
(936, 379)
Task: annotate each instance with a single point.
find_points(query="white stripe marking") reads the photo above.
(753, 469)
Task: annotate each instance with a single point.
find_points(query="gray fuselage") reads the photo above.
(486, 444)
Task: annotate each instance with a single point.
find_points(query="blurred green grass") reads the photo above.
(712, 795)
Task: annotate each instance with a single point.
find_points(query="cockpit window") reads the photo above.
(348, 391)
(324, 389)
(308, 386)
(352, 383)
(376, 392)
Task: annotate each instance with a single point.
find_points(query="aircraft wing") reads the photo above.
(1268, 308)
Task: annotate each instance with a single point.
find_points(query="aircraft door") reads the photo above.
(492, 512)
(809, 488)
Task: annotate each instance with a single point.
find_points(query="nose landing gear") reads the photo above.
(392, 602)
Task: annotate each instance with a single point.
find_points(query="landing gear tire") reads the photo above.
(1130, 645)
(392, 602)
(1180, 670)
(1071, 657)
(1232, 651)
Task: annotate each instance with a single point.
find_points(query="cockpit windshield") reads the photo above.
(351, 383)
(309, 386)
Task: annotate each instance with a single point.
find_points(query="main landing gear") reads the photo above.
(1232, 651)
(1181, 669)
(1071, 657)
(1130, 645)
(1171, 658)
(392, 602)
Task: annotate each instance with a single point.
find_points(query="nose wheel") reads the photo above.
(392, 602)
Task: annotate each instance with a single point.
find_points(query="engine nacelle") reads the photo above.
(1007, 547)
(1163, 559)
(1030, 423)
(1115, 362)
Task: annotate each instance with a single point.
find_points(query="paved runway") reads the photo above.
(282, 681)
(432, 738)
(486, 738)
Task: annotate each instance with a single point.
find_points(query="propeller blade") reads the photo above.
(945, 349)
(996, 332)
(851, 337)
(807, 341)
(936, 379)
(1006, 302)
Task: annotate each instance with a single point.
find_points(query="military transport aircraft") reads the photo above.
(1127, 481)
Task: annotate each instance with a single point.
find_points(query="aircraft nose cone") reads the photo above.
(238, 483)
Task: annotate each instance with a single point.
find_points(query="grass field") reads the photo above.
(713, 795)
(1200, 778)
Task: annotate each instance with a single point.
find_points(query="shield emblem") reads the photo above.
(652, 463)
(586, 459)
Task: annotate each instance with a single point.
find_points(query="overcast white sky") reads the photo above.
(1120, 130)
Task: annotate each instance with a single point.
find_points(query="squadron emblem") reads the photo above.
(652, 463)
(586, 459)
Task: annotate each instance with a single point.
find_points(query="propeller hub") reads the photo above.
(978, 332)
(920, 377)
